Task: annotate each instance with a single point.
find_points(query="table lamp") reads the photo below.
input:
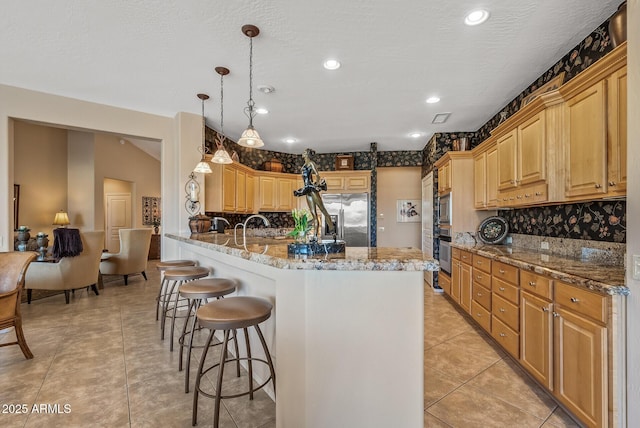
(62, 219)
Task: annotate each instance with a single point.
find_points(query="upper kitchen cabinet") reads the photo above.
(595, 121)
(230, 188)
(347, 181)
(485, 175)
(275, 191)
(444, 178)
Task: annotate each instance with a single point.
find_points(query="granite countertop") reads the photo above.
(599, 277)
(273, 252)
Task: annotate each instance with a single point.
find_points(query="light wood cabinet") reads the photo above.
(485, 177)
(267, 193)
(229, 189)
(537, 338)
(617, 133)
(276, 192)
(251, 194)
(444, 178)
(285, 198)
(480, 180)
(466, 286)
(347, 181)
(455, 280)
(507, 149)
(444, 281)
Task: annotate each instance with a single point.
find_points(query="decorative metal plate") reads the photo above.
(493, 230)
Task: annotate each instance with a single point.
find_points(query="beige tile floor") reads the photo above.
(102, 356)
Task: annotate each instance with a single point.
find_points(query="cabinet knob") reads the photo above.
(519, 196)
(545, 309)
(612, 183)
(501, 309)
(513, 181)
(479, 277)
(575, 299)
(479, 294)
(527, 195)
(556, 315)
(598, 186)
(532, 283)
(538, 193)
(501, 271)
(479, 315)
(501, 288)
(502, 335)
(504, 199)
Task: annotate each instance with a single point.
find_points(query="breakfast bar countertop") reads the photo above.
(599, 277)
(273, 252)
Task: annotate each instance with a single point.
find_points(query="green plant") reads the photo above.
(301, 221)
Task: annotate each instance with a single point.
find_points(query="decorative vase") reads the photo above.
(43, 243)
(23, 236)
(156, 229)
(300, 237)
(618, 25)
(199, 223)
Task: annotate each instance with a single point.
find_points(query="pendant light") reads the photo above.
(221, 155)
(250, 137)
(203, 165)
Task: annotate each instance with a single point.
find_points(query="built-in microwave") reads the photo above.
(444, 209)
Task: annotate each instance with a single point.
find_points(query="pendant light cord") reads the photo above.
(221, 139)
(251, 103)
(204, 125)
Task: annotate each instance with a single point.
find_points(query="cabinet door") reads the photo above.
(480, 180)
(586, 154)
(444, 281)
(229, 189)
(581, 367)
(267, 194)
(334, 182)
(465, 287)
(536, 338)
(444, 178)
(285, 194)
(617, 133)
(455, 280)
(507, 151)
(251, 193)
(359, 183)
(531, 153)
(241, 191)
(492, 177)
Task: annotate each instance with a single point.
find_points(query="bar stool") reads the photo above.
(197, 292)
(162, 266)
(176, 277)
(231, 314)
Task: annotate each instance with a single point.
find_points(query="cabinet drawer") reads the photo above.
(482, 278)
(582, 301)
(506, 311)
(455, 253)
(466, 257)
(509, 339)
(357, 183)
(505, 272)
(482, 263)
(444, 281)
(334, 183)
(537, 284)
(505, 290)
(482, 295)
(481, 315)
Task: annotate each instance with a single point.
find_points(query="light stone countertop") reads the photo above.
(273, 252)
(599, 277)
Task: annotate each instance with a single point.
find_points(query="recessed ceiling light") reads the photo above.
(415, 135)
(331, 64)
(290, 140)
(441, 118)
(476, 17)
(432, 100)
(266, 89)
(262, 110)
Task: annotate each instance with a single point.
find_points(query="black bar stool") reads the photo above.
(227, 315)
(176, 277)
(162, 266)
(197, 292)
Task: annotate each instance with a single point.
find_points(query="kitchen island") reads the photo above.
(346, 332)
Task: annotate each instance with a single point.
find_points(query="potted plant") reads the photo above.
(156, 225)
(302, 225)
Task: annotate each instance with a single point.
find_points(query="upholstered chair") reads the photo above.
(69, 273)
(12, 271)
(133, 255)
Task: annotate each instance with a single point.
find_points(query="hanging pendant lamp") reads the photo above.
(203, 165)
(250, 137)
(221, 155)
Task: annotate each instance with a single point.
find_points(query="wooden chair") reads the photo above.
(12, 272)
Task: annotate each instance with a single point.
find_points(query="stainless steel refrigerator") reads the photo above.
(350, 214)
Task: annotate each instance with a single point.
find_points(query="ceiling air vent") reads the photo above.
(440, 118)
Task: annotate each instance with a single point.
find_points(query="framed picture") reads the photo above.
(16, 205)
(551, 85)
(408, 211)
(344, 162)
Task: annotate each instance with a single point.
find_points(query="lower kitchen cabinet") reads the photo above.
(465, 287)
(444, 281)
(536, 334)
(455, 279)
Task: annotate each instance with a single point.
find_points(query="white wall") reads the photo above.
(393, 184)
(633, 212)
(81, 189)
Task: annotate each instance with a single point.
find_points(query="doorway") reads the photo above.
(118, 211)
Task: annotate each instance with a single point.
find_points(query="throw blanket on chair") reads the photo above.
(66, 242)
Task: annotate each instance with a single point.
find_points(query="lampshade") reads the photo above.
(61, 219)
(203, 167)
(221, 156)
(250, 138)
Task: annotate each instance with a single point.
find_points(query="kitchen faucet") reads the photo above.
(244, 227)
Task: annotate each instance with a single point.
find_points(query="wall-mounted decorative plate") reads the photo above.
(493, 230)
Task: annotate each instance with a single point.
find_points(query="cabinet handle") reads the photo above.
(479, 294)
(545, 309)
(501, 271)
(501, 288)
(575, 299)
(598, 186)
(479, 315)
(513, 181)
(532, 283)
(502, 335)
(479, 277)
(556, 315)
(612, 183)
(504, 199)
(519, 196)
(501, 309)
(538, 193)
(478, 262)
(527, 195)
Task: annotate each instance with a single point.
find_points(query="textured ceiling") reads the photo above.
(155, 56)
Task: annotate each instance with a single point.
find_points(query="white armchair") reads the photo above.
(69, 273)
(133, 255)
